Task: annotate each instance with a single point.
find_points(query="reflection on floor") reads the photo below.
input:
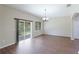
(23, 38)
(45, 44)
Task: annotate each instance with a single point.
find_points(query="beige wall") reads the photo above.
(8, 25)
(60, 26)
(1, 26)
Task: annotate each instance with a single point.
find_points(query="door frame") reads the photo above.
(73, 19)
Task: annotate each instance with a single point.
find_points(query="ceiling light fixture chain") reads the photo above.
(45, 18)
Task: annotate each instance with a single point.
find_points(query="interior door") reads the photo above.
(76, 26)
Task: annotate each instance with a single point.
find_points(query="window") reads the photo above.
(38, 25)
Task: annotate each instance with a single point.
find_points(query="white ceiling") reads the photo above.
(53, 10)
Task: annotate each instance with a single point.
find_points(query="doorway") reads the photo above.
(23, 30)
(75, 33)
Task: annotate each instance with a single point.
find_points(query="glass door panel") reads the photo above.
(27, 30)
(21, 30)
(24, 28)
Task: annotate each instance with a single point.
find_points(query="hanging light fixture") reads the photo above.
(45, 18)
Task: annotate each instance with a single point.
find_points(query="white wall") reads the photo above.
(64, 26)
(60, 26)
(8, 24)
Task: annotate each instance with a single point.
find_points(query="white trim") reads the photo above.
(31, 36)
(59, 35)
(7, 45)
(73, 18)
(24, 29)
(72, 37)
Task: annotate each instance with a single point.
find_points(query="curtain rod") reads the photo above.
(22, 19)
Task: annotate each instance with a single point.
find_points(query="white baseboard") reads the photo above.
(76, 38)
(60, 35)
(6, 45)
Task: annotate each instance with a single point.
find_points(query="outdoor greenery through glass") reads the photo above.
(21, 28)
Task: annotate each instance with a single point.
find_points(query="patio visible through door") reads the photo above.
(24, 30)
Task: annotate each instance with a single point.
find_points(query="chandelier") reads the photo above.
(45, 18)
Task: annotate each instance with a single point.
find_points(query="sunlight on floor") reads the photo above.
(25, 41)
(78, 52)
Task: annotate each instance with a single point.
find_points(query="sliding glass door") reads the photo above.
(21, 30)
(27, 30)
(24, 30)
